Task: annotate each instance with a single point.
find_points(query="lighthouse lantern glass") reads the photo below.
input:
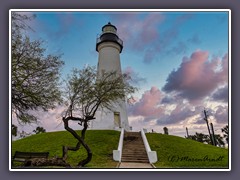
(109, 29)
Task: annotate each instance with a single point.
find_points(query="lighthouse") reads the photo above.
(109, 47)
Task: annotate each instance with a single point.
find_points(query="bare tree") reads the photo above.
(14, 130)
(204, 138)
(34, 75)
(219, 140)
(85, 94)
(225, 131)
(39, 130)
(200, 137)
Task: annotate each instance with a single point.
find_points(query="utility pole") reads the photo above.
(187, 132)
(205, 113)
(213, 136)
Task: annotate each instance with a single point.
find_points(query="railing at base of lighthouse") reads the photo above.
(117, 154)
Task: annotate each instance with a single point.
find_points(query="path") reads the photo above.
(134, 165)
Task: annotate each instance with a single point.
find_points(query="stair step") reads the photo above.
(129, 156)
(139, 154)
(133, 148)
(140, 161)
(133, 152)
(137, 158)
(146, 159)
(145, 156)
(134, 160)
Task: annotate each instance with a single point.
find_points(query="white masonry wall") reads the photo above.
(105, 119)
(109, 60)
(109, 57)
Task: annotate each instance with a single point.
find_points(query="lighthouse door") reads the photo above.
(117, 119)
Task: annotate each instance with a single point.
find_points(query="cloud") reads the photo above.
(149, 55)
(149, 105)
(58, 27)
(66, 22)
(140, 32)
(159, 109)
(135, 77)
(180, 113)
(221, 114)
(194, 39)
(179, 48)
(49, 120)
(182, 18)
(197, 77)
(221, 94)
(167, 100)
(169, 37)
(201, 116)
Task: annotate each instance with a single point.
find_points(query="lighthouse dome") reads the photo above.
(109, 34)
(109, 28)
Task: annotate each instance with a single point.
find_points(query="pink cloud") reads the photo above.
(149, 113)
(148, 105)
(49, 120)
(180, 113)
(141, 33)
(149, 31)
(138, 33)
(135, 78)
(197, 77)
(128, 70)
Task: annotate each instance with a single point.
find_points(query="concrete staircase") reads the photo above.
(133, 148)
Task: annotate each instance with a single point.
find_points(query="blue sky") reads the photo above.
(161, 51)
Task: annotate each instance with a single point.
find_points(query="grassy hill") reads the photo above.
(172, 151)
(177, 152)
(101, 142)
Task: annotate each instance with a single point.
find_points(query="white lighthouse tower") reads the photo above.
(109, 46)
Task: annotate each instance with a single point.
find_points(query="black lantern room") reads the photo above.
(109, 34)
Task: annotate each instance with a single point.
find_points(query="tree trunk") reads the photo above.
(66, 148)
(80, 141)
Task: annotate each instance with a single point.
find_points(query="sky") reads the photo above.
(179, 61)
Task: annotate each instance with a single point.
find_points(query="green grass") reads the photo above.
(177, 152)
(101, 142)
